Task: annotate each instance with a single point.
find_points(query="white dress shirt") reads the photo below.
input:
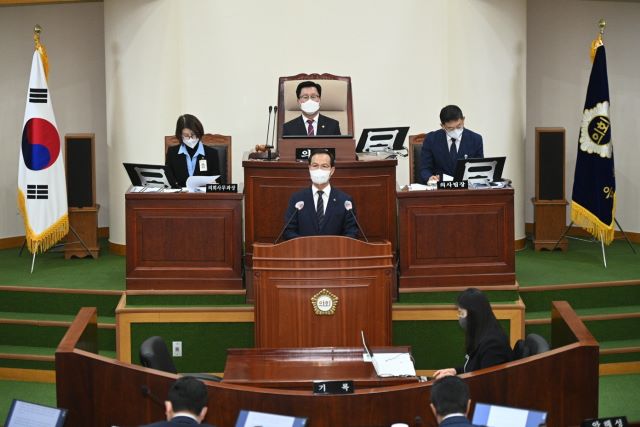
(314, 124)
(325, 196)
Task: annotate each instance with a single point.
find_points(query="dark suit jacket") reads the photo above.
(435, 158)
(177, 422)
(177, 163)
(298, 126)
(457, 422)
(493, 349)
(337, 221)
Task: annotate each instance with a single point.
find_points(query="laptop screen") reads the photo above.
(23, 413)
(502, 416)
(264, 419)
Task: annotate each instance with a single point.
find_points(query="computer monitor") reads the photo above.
(382, 139)
(23, 413)
(489, 415)
(265, 419)
(487, 169)
(150, 175)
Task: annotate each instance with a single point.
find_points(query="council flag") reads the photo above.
(593, 204)
(42, 190)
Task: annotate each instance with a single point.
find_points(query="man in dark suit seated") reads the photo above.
(186, 405)
(320, 209)
(311, 122)
(450, 402)
(442, 148)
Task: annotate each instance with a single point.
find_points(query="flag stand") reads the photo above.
(75, 233)
(604, 256)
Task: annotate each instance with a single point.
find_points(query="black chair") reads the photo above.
(532, 344)
(154, 354)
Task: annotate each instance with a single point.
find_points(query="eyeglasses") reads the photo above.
(307, 97)
(324, 166)
(193, 135)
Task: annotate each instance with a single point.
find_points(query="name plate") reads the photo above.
(606, 422)
(222, 188)
(333, 387)
(302, 154)
(452, 185)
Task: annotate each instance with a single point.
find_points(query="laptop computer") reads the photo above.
(489, 415)
(265, 419)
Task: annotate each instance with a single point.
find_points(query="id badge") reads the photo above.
(203, 165)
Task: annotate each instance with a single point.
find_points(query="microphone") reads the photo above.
(266, 143)
(147, 393)
(275, 121)
(299, 206)
(349, 207)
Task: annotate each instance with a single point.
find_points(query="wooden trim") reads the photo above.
(35, 357)
(512, 312)
(31, 375)
(188, 292)
(620, 350)
(103, 232)
(515, 287)
(576, 231)
(588, 318)
(535, 288)
(619, 368)
(49, 323)
(520, 244)
(41, 289)
(11, 242)
(118, 249)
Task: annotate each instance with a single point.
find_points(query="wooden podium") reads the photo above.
(321, 291)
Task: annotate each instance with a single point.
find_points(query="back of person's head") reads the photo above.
(188, 394)
(450, 113)
(323, 151)
(308, 83)
(189, 121)
(449, 395)
(480, 317)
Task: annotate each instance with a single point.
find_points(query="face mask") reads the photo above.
(463, 322)
(310, 106)
(190, 142)
(319, 176)
(455, 134)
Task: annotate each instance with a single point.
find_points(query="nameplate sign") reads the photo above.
(222, 188)
(452, 185)
(302, 154)
(606, 422)
(333, 387)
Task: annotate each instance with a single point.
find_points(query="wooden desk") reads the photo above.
(184, 241)
(456, 238)
(269, 185)
(100, 391)
(298, 368)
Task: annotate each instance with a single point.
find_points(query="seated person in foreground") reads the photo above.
(450, 402)
(311, 122)
(187, 404)
(191, 156)
(442, 148)
(485, 341)
(320, 209)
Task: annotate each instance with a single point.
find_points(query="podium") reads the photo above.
(321, 291)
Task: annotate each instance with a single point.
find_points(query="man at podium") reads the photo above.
(442, 148)
(320, 209)
(311, 122)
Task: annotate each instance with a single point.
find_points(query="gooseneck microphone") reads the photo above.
(349, 207)
(299, 206)
(147, 393)
(266, 143)
(275, 121)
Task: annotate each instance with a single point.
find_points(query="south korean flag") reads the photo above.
(42, 190)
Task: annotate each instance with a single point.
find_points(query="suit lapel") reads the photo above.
(445, 148)
(311, 212)
(321, 125)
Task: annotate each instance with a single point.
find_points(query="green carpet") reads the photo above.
(582, 263)
(53, 271)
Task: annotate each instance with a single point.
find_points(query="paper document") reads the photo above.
(393, 365)
(446, 177)
(197, 183)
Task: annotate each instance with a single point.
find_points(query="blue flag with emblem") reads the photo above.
(593, 203)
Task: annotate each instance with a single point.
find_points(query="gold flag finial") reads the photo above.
(598, 41)
(41, 50)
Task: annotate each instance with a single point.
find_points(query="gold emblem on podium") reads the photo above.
(324, 303)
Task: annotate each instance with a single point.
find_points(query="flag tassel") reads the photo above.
(49, 237)
(590, 222)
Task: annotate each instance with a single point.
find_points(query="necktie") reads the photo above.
(453, 151)
(310, 127)
(320, 208)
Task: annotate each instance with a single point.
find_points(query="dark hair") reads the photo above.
(480, 317)
(323, 151)
(450, 113)
(308, 84)
(189, 121)
(188, 394)
(449, 395)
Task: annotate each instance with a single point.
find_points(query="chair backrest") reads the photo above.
(155, 354)
(415, 145)
(532, 344)
(335, 100)
(221, 143)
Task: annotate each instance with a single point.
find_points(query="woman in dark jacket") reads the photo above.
(486, 344)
